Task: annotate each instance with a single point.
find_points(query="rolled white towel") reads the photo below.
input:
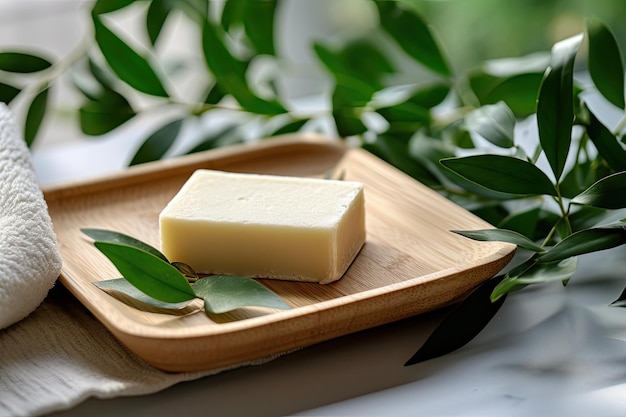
(30, 261)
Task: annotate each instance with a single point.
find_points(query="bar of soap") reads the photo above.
(265, 226)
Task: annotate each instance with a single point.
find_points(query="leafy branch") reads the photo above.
(150, 278)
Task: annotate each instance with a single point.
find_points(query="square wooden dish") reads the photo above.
(411, 263)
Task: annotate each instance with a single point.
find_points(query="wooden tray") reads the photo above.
(410, 263)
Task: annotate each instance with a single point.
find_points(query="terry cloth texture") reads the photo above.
(29, 257)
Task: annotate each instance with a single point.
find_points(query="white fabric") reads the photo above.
(60, 355)
(29, 258)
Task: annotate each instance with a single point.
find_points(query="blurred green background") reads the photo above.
(472, 31)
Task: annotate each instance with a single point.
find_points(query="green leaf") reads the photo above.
(107, 6)
(232, 14)
(606, 143)
(216, 140)
(555, 105)
(129, 66)
(214, 95)
(8, 93)
(579, 177)
(608, 192)
(158, 143)
(109, 236)
(35, 115)
(123, 286)
(586, 241)
(225, 293)
(586, 217)
(407, 112)
(157, 14)
(259, 25)
(218, 58)
(395, 151)
(524, 221)
(290, 127)
(504, 174)
(100, 117)
(465, 321)
(150, 274)
(231, 73)
(606, 67)
(197, 10)
(533, 272)
(430, 95)
(501, 235)
(543, 272)
(413, 35)
(22, 62)
(495, 122)
(186, 270)
(348, 123)
(518, 91)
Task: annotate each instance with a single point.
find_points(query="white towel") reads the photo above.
(29, 258)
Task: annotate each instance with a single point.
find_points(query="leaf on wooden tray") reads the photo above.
(149, 273)
(225, 293)
(110, 236)
(467, 319)
(125, 287)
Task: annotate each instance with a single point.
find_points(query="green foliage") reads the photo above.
(455, 131)
(150, 278)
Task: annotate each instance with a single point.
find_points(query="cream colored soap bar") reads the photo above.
(299, 229)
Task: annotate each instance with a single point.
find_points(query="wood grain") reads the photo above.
(411, 263)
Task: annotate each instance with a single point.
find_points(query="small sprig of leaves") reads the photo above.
(149, 277)
(584, 193)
